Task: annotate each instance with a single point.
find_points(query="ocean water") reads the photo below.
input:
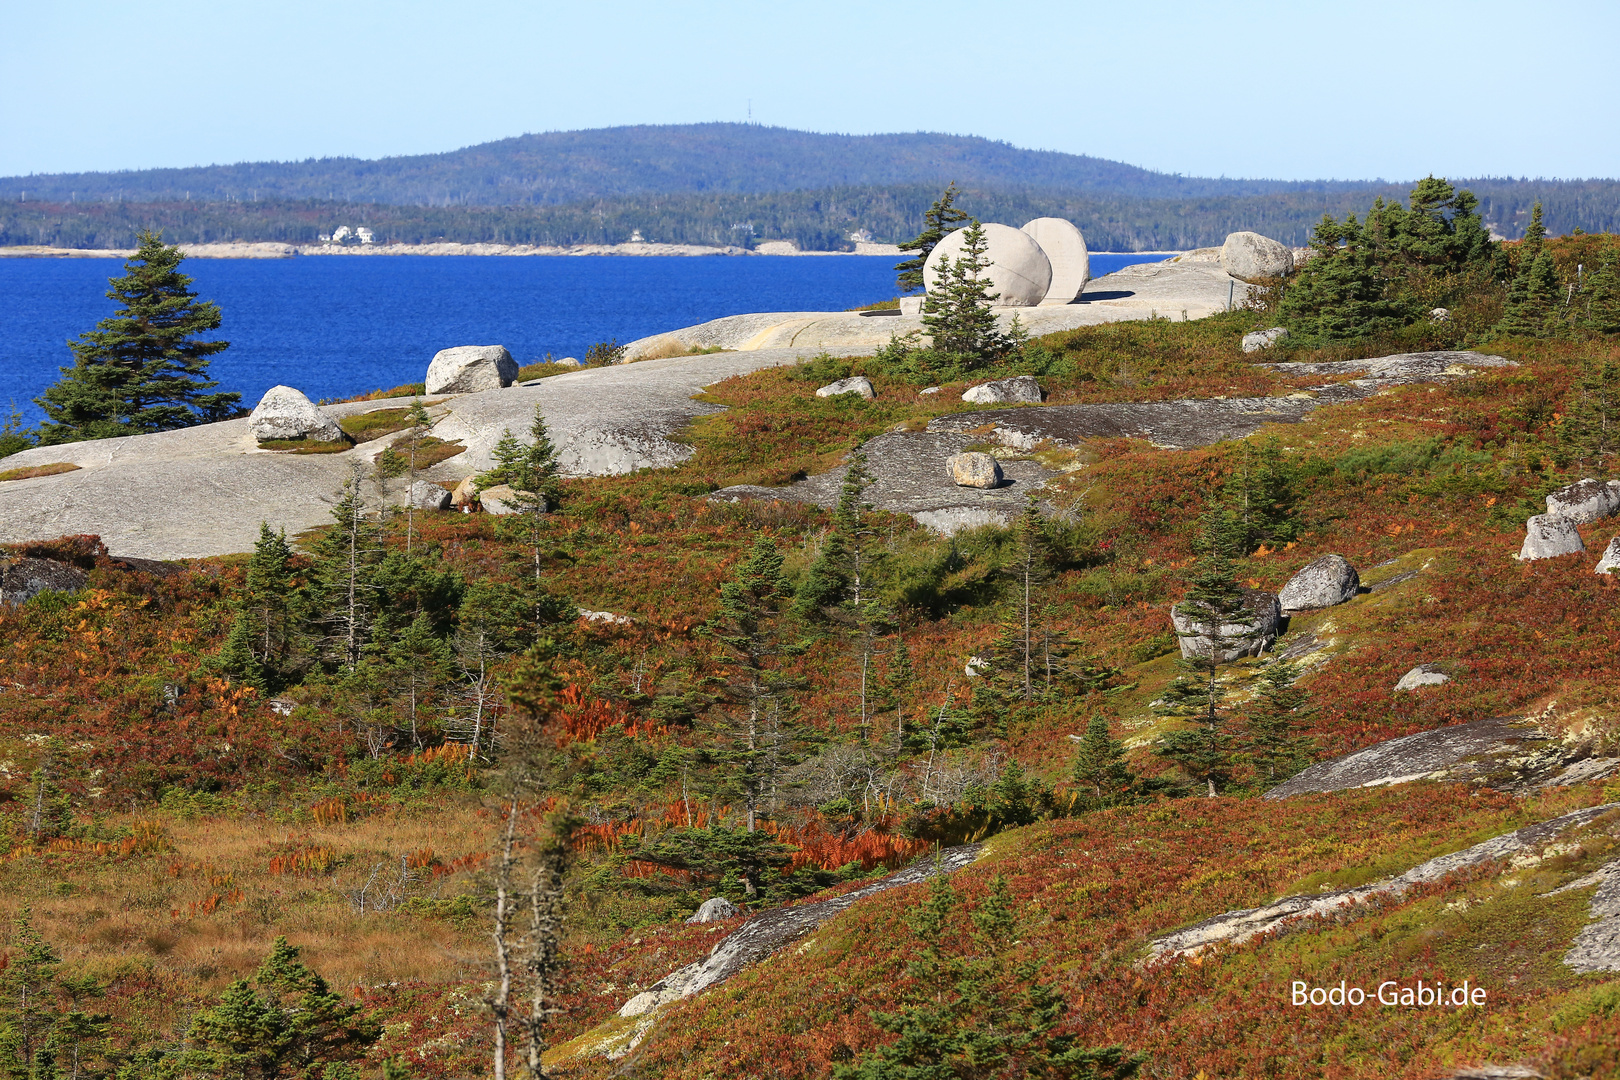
(338, 326)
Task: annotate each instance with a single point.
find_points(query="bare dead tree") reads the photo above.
(499, 1000)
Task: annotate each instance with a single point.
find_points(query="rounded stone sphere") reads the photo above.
(1019, 271)
(1066, 250)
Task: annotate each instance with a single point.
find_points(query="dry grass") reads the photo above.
(28, 473)
(304, 446)
(205, 910)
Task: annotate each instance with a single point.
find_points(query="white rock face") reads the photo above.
(1322, 583)
(714, 909)
(860, 384)
(1422, 675)
(1249, 256)
(426, 495)
(954, 519)
(1065, 249)
(1611, 558)
(1547, 536)
(1256, 340)
(975, 470)
(467, 369)
(1019, 271)
(285, 413)
(1250, 637)
(1585, 501)
(1020, 390)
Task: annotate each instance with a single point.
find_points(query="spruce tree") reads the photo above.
(937, 221)
(751, 740)
(28, 983)
(1339, 295)
(981, 1010)
(14, 438)
(1099, 763)
(1261, 496)
(1532, 300)
(343, 585)
(236, 657)
(142, 369)
(1275, 715)
(1590, 427)
(420, 661)
(1213, 602)
(1600, 307)
(899, 683)
(530, 470)
(1442, 229)
(286, 1022)
(956, 312)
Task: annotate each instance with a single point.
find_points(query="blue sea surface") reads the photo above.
(336, 326)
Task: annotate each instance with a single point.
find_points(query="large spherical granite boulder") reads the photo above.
(1249, 256)
(1322, 583)
(285, 413)
(1019, 271)
(467, 369)
(1065, 249)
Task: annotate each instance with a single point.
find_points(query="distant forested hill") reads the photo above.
(717, 184)
(570, 166)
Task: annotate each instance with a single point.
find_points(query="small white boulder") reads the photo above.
(285, 413)
(1322, 583)
(1248, 256)
(928, 390)
(1422, 675)
(569, 361)
(1440, 314)
(1256, 340)
(911, 305)
(1610, 563)
(1585, 501)
(974, 469)
(976, 666)
(1020, 390)
(467, 369)
(859, 384)
(714, 909)
(1547, 536)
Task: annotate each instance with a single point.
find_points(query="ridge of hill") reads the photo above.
(558, 167)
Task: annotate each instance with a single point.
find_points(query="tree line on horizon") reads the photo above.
(817, 220)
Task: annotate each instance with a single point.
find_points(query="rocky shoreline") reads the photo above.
(266, 250)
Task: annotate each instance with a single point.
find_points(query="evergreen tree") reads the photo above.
(1099, 763)
(343, 577)
(530, 470)
(899, 683)
(14, 439)
(236, 657)
(1339, 294)
(28, 983)
(1275, 715)
(1532, 301)
(1590, 426)
(420, 662)
(937, 221)
(838, 582)
(1442, 229)
(1260, 497)
(747, 628)
(142, 369)
(1214, 603)
(1600, 307)
(956, 312)
(286, 1022)
(979, 1011)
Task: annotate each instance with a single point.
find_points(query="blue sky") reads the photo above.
(1293, 90)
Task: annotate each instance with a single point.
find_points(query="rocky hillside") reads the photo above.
(1412, 754)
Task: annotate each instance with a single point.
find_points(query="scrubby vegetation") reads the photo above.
(362, 739)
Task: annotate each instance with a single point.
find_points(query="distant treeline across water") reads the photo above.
(819, 220)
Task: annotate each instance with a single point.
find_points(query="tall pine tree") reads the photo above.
(142, 369)
(1532, 307)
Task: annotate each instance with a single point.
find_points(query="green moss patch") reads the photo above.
(304, 446)
(364, 427)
